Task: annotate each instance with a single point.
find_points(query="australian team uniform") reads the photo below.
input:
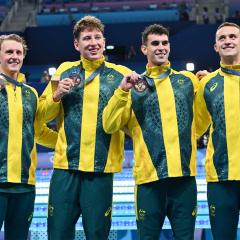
(21, 127)
(159, 115)
(85, 156)
(218, 105)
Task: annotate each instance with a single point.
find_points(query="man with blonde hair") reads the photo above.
(218, 105)
(85, 157)
(20, 124)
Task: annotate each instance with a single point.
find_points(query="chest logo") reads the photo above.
(180, 81)
(27, 93)
(110, 77)
(213, 87)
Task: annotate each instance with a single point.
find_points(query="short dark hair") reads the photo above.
(228, 24)
(87, 22)
(154, 29)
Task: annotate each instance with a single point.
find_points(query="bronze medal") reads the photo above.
(140, 85)
(2, 82)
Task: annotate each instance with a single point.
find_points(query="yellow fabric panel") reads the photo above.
(15, 129)
(135, 201)
(169, 126)
(114, 161)
(47, 107)
(193, 78)
(202, 116)
(89, 123)
(33, 166)
(63, 67)
(144, 170)
(60, 157)
(117, 112)
(232, 118)
(121, 69)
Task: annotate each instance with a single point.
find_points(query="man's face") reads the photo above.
(90, 44)
(157, 49)
(11, 57)
(228, 42)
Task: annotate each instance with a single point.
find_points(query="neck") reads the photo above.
(158, 65)
(230, 61)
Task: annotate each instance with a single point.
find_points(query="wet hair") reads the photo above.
(16, 38)
(153, 29)
(87, 22)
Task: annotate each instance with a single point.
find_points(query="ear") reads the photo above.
(76, 44)
(215, 47)
(144, 49)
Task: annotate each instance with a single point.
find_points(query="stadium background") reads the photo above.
(47, 27)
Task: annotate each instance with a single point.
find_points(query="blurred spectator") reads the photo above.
(183, 11)
(237, 14)
(205, 15)
(218, 16)
(45, 78)
(131, 53)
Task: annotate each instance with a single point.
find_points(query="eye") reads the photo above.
(87, 38)
(98, 37)
(232, 36)
(221, 38)
(165, 43)
(19, 53)
(155, 43)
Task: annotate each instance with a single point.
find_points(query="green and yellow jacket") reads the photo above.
(82, 143)
(160, 120)
(21, 127)
(218, 105)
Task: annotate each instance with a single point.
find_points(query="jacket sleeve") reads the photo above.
(117, 112)
(47, 107)
(44, 135)
(202, 116)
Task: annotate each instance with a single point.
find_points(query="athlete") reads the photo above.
(85, 157)
(21, 127)
(218, 105)
(157, 109)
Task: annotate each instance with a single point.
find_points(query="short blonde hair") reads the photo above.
(87, 22)
(16, 38)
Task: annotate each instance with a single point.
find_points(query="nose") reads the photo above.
(14, 55)
(93, 41)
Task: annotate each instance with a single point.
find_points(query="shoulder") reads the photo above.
(66, 65)
(208, 77)
(119, 68)
(30, 89)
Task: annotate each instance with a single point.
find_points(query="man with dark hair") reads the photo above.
(20, 124)
(218, 105)
(85, 157)
(157, 109)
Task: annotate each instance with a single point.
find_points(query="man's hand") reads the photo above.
(64, 86)
(202, 73)
(129, 80)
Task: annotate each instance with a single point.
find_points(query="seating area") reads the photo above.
(5, 5)
(64, 6)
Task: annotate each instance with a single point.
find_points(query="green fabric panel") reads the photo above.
(147, 111)
(214, 98)
(29, 104)
(184, 95)
(4, 123)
